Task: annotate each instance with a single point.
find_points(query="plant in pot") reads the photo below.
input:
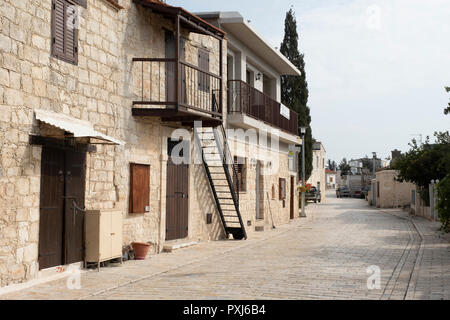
(140, 250)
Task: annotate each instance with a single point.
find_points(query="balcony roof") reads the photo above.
(235, 24)
(190, 21)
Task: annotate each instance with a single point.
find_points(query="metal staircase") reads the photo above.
(222, 175)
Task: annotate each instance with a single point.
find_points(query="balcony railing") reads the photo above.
(156, 81)
(243, 98)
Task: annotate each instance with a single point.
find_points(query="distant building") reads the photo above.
(331, 179)
(318, 177)
(387, 192)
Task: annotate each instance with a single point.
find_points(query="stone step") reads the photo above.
(171, 246)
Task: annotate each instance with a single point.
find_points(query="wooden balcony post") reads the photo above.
(221, 76)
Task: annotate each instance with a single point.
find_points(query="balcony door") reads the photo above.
(170, 67)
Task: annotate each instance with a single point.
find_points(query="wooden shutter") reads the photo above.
(241, 173)
(64, 38)
(203, 64)
(139, 188)
(282, 189)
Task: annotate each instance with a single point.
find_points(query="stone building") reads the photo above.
(386, 192)
(318, 176)
(99, 100)
(263, 132)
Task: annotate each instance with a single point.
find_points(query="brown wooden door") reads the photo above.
(51, 222)
(177, 201)
(61, 227)
(292, 197)
(74, 200)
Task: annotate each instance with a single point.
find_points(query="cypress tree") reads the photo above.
(294, 89)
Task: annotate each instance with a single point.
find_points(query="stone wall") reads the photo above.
(392, 194)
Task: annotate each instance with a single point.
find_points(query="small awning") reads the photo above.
(79, 128)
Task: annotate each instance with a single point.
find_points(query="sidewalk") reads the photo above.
(94, 283)
(431, 276)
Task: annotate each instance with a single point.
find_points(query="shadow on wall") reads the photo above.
(206, 204)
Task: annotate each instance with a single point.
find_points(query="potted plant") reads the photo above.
(140, 250)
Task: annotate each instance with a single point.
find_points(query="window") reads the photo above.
(139, 188)
(282, 189)
(65, 30)
(292, 160)
(273, 192)
(203, 64)
(241, 166)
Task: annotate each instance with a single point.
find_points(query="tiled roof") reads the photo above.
(164, 4)
(157, 2)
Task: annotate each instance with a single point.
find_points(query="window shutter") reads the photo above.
(139, 188)
(65, 38)
(241, 173)
(282, 189)
(58, 27)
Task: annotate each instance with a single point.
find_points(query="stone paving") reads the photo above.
(325, 256)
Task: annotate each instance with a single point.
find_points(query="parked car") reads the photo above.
(313, 195)
(342, 192)
(364, 192)
(357, 194)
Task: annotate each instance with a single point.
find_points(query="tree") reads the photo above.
(425, 162)
(344, 167)
(294, 89)
(447, 110)
(443, 205)
(332, 165)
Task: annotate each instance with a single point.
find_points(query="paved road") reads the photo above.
(324, 257)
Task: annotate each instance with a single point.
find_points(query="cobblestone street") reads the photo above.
(325, 256)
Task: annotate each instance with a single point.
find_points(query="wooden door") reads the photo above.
(51, 224)
(292, 197)
(74, 201)
(170, 66)
(116, 234)
(61, 224)
(177, 201)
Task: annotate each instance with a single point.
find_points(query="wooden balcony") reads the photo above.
(171, 88)
(176, 91)
(243, 98)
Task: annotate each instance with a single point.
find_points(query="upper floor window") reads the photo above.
(65, 30)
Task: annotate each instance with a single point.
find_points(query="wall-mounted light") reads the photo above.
(258, 76)
(303, 130)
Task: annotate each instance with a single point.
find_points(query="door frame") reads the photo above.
(259, 193)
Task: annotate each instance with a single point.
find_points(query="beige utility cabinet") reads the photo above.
(103, 236)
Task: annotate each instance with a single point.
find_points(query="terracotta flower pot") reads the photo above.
(140, 250)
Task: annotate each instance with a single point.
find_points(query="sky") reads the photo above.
(376, 70)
